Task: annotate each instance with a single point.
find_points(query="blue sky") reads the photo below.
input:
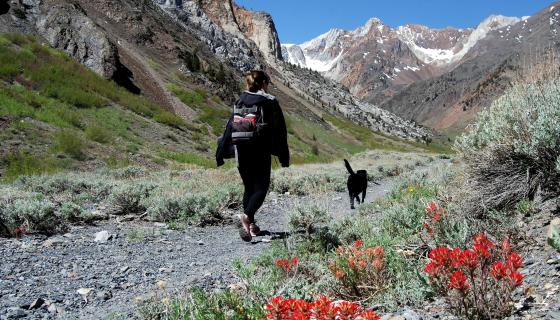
(300, 20)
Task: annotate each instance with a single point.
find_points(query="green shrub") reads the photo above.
(31, 212)
(71, 144)
(73, 213)
(99, 134)
(554, 238)
(200, 305)
(129, 198)
(73, 96)
(129, 173)
(198, 208)
(512, 150)
(307, 219)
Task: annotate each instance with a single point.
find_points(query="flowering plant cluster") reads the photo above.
(360, 271)
(477, 282)
(434, 215)
(287, 264)
(279, 308)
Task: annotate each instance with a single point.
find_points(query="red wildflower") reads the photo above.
(432, 207)
(430, 268)
(358, 244)
(458, 281)
(469, 259)
(322, 309)
(287, 264)
(295, 261)
(482, 240)
(370, 315)
(339, 274)
(515, 260)
(516, 278)
(440, 256)
(499, 270)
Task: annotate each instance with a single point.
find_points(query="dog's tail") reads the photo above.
(348, 167)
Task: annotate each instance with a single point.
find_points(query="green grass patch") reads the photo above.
(214, 114)
(71, 144)
(99, 134)
(189, 158)
(24, 164)
(169, 119)
(190, 98)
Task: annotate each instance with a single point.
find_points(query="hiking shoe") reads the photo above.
(254, 230)
(244, 228)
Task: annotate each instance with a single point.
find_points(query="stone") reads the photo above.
(84, 292)
(52, 242)
(411, 315)
(161, 284)
(16, 313)
(104, 295)
(38, 303)
(52, 308)
(102, 236)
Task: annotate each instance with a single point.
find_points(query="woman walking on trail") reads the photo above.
(255, 132)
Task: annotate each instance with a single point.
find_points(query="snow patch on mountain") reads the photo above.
(376, 44)
(446, 56)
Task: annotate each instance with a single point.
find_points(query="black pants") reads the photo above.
(254, 168)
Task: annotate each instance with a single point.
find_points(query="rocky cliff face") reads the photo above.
(233, 48)
(257, 27)
(65, 26)
(260, 28)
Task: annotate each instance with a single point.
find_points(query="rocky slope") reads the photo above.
(143, 46)
(392, 67)
(450, 100)
(228, 28)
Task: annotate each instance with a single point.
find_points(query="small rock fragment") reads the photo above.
(104, 295)
(52, 242)
(161, 284)
(36, 304)
(84, 292)
(102, 236)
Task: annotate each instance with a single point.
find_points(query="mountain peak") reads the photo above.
(499, 21)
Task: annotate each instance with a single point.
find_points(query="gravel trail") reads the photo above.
(138, 257)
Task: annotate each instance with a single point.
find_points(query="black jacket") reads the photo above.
(276, 141)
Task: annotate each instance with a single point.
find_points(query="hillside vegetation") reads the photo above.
(58, 115)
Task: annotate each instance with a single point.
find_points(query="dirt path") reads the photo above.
(129, 266)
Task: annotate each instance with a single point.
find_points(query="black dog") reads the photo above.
(357, 183)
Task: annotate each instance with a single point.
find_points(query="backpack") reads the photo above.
(248, 124)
